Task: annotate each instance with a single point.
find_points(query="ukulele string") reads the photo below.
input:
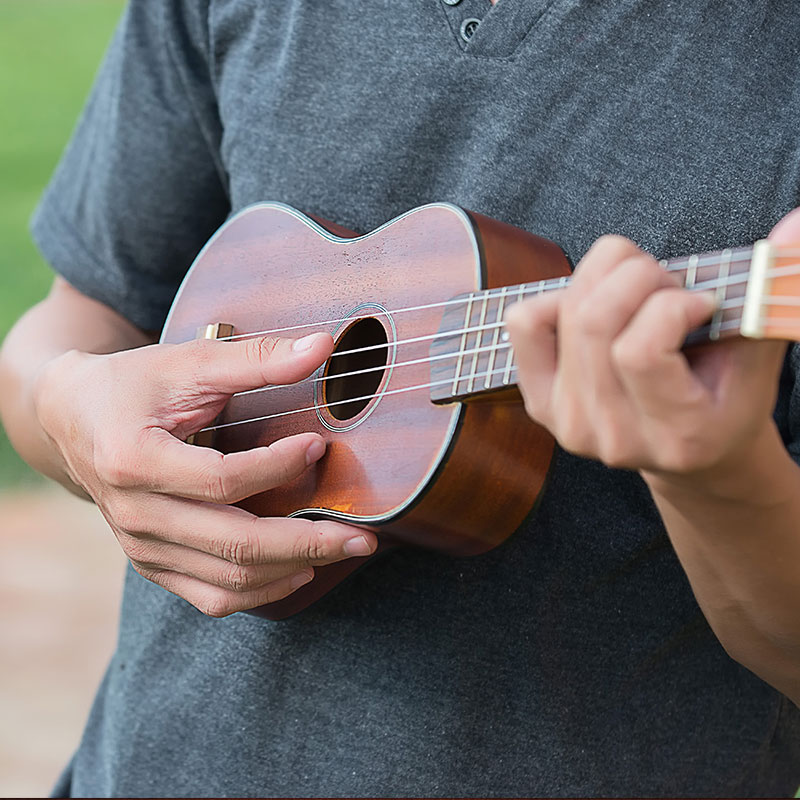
(706, 285)
(510, 376)
(535, 288)
(486, 349)
(717, 283)
(726, 305)
(354, 399)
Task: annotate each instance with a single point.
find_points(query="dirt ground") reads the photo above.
(60, 584)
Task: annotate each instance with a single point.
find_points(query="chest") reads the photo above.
(672, 123)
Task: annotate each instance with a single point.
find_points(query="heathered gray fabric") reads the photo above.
(572, 660)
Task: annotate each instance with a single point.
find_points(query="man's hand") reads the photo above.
(601, 365)
(118, 422)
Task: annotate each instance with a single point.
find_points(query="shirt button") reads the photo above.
(468, 27)
(451, 2)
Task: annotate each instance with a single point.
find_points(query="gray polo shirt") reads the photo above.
(573, 659)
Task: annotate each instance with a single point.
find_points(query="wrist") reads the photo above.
(760, 472)
(51, 385)
(47, 388)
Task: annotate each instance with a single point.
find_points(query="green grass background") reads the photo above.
(49, 53)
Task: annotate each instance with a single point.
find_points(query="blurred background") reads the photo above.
(60, 568)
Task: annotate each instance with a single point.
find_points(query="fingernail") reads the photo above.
(301, 578)
(357, 546)
(315, 451)
(306, 343)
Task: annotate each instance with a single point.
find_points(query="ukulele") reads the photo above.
(428, 442)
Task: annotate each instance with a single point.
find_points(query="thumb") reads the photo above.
(242, 364)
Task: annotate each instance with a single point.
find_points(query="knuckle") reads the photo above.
(138, 551)
(223, 485)
(313, 547)
(631, 356)
(218, 488)
(536, 402)
(615, 452)
(616, 446)
(216, 604)
(261, 348)
(116, 468)
(591, 318)
(145, 572)
(612, 244)
(241, 550)
(151, 574)
(641, 262)
(240, 579)
(578, 446)
(571, 432)
(126, 518)
(662, 304)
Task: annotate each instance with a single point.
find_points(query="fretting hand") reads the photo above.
(168, 501)
(601, 365)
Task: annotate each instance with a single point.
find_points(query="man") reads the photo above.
(572, 660)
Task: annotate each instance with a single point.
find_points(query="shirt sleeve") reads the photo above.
(140, 186)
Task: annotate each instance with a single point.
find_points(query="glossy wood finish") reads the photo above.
(455, 477)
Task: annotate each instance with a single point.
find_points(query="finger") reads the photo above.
(169, 466)
(600, 314)
(243, 364)
(238, 537)
(648, 356)
(215, 601)
(157, 556)
(600, 260)
(787, 231)
(531, 326)
(590, 398)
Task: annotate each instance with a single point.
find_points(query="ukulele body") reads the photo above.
(457, 477)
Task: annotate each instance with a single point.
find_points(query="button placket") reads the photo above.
(465, 16)
(468, 28)
(496, 31)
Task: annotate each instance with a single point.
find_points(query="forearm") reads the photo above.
(66, 320)
(737, 534)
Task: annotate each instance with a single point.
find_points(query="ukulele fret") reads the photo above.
(725, 273)
(463, 346)
(478, 338)
(691, 272)
(510, 357)
(722, 294)
(495, 338)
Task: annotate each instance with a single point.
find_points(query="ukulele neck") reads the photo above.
(747, 281)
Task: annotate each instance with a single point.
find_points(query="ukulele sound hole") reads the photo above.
(343, 389)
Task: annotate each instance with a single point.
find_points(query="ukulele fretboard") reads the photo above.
(482, 359)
